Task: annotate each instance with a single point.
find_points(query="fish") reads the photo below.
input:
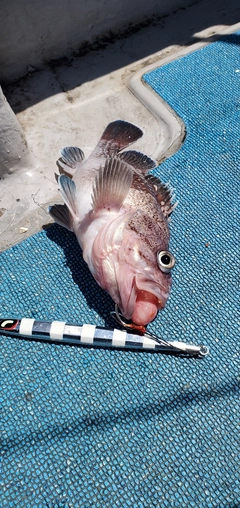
(120, 215)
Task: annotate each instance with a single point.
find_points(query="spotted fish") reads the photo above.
(119, 214)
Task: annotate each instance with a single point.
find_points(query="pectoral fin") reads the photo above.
(111, 185)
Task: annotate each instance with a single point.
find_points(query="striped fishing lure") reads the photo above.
(91, 335)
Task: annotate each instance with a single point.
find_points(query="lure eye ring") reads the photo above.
(165, 261)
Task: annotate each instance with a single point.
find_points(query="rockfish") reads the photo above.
(120, 216)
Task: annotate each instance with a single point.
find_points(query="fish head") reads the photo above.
(143, 288)
(130, 266)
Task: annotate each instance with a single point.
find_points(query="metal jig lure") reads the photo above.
(91, 335)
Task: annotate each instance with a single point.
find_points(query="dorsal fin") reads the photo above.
(112, 184)
(117, 136)
(138, 160)
(163, 193)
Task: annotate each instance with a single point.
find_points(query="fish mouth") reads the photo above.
(159, 290)
(146, 307)
(146, 298)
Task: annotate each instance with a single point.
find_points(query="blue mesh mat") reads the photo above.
(103, 429)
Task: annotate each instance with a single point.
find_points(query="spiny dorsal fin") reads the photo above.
(111, 185)
(71, 158)
(163, 193)
(117, 136)
(68, 191)
(138, 160)
(62, 215)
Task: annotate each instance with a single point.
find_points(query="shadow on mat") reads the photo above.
(95, 421)
(96, 297)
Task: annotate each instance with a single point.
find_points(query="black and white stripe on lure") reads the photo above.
(91, 335)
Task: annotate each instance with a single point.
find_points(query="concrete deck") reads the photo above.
(70, 103)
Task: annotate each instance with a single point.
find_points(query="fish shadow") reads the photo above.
(97, 299)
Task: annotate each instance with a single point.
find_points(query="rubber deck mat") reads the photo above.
(106, 429)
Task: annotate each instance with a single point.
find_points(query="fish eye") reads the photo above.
(165, 260)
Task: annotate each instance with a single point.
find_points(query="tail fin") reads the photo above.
(117, 136)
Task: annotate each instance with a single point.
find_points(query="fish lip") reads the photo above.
(150, 286)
